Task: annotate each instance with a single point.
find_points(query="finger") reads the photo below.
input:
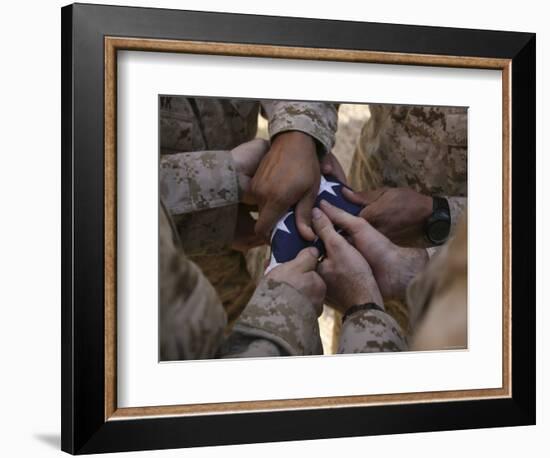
(371, 214)
(255, 149)
(363, 198)
(351, 224)
(363, 234)
(325, 230)
(269, 214)
(354, 197)
(306, 260)
(326, 166)
(303, 216)
(331, 166)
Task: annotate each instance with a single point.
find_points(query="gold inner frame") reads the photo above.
(114, 44)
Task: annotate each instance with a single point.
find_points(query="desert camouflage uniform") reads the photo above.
(200, 188)
(371, 331)
(199, 124)
(278, 320)
(423, 148)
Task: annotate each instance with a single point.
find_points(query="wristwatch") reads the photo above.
(438, 224)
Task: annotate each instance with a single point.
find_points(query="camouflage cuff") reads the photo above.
(319, 120)
(371, 331)
(457, 207)
(432, 250)
(200, 190)
(201, 180)
(279, 313)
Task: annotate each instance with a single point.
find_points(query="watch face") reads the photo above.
(438, 231)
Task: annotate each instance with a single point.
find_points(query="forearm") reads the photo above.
(278, 321)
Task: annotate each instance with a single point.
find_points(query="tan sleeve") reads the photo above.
(278, 321)
(437, 297)
(319, 120)
(200, 190)
(191, 316)
(371, 331)
(457, 208)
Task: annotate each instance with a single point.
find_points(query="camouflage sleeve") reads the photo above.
(191, 316)
(371, 331)
(278, 321)
(318, 120)
(200, 189)
(457, 207)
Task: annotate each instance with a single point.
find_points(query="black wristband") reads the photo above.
(438, 225)
(359, 307)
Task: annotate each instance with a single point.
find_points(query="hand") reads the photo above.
(245, 237)
(288, 174)
(393, 266)
(300, 274)
(346, 272)
(247, 157)
(399, 213)
(331, 166)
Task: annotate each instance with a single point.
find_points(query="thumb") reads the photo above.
(303, 215)
(325, 230)
(306, 260)
(248, 156)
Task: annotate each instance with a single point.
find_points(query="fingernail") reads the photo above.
(315, 213)
(324, 202)
(314, 251)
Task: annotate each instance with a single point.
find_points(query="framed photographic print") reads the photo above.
(282, 228)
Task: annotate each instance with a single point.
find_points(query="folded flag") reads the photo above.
(286, 241)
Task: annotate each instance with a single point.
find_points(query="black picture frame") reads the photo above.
(84, 428)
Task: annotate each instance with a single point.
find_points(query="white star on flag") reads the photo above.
(327, 186)
(281, 226)
(272, 264)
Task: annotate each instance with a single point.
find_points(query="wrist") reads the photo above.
(426, 208)
(361, 308)
(367, 292)
(298, 139)
(437, 226)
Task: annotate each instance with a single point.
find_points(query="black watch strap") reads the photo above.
(438, 224)
(440, 204)
(356, 308)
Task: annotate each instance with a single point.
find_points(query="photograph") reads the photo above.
(300, 228)
(270, 221)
